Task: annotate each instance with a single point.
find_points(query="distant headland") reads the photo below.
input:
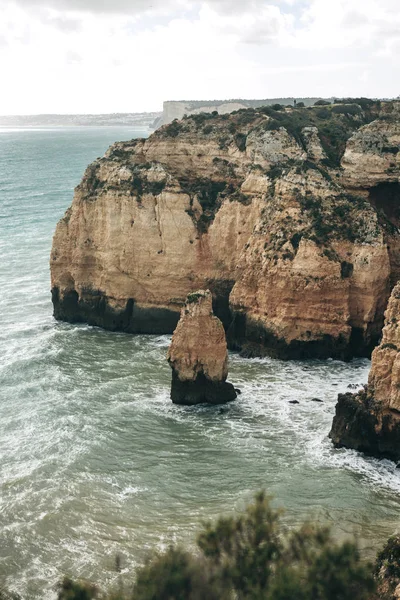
(145, 119)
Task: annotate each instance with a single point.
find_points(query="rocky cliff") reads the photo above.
(198, 355)
(289, 217)
(370, 420)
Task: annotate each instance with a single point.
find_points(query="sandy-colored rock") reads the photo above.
(370, 420)
(299, 254)
(313, 144)
(198, 354)
(311, 288)
(384, 378)
(372, 154)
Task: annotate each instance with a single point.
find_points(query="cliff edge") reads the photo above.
(369, 421)
(289, 217)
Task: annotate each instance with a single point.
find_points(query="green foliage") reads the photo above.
(249, 557)
(201, 118)
(323, 113)
(275, 172)
(245, 548)
(336, 217)
(208, 194)
(388, 559)
(173, 129)
(322, 103)
(347, 109)
(177, 575)
(240, 139)
(207, 129)
(295, 240)
(272, 125)
(141, 185)
(396, 564)
(192, 298)
(337, 574)
(76, 590)
(346, 269)
(365, 103)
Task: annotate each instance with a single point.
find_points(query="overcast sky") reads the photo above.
(93, 56)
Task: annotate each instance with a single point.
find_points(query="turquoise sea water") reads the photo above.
(95, 460)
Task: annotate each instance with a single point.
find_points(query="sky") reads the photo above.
(105, 56)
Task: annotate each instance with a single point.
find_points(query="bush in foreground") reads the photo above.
(249, 557)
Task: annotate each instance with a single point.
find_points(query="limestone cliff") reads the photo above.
(370, 420)
(266, 208)
(198, 355)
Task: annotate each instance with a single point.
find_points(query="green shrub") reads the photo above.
(365, 103)
(250, 557)
(173, 129)
(177, 575)
(346, 109)
(240, 139)
(323, 113)
(76, 590)
(388, 559)
(321, 103)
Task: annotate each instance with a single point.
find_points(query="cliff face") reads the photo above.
(198, 355)
(370, 420)
(298, 251)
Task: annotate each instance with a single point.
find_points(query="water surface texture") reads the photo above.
(95, 460)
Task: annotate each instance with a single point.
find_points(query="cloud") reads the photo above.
(93, 56)
(353, 18)
(63, 23)
(251, 27)
(126, 7)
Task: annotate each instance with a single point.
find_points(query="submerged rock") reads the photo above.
(369, 420)
(198, 355)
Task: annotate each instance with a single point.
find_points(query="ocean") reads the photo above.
(95, 460)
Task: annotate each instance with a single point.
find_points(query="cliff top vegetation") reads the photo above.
(335, 123)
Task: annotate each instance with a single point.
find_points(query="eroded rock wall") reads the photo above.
(268, 209)
(370, 420)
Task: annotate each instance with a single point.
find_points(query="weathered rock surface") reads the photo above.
(299, 252)
(198, 355)
(370, 420)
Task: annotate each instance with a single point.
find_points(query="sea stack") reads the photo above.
(369, 420)
(198, 355)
